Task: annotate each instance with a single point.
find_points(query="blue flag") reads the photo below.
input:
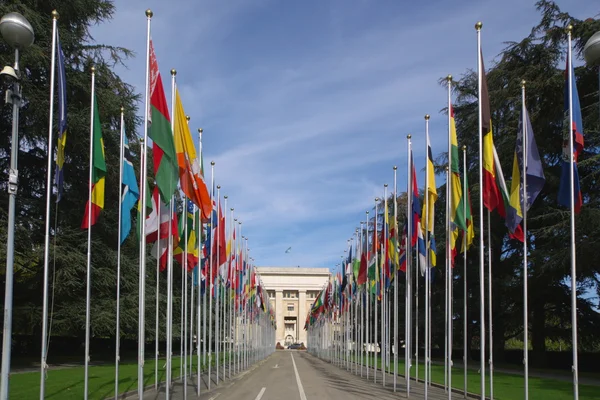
(577, 132)
(130, 192)
(62, 121)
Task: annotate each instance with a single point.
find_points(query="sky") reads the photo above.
(305, 106)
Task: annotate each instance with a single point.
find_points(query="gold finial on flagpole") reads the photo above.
(55, 14)
(385, 185)
(93, 69)
(446, 168)
(449, 78)
(218, 186)
(173, 72)
(569, 28)
(427, 117)
(464, 147)
(187, 118)
(149, 13)
(408, 136)
(225, 197)
(479, 25)
(395, 168)
(200, 130)
(212, 163)
(523, 82)
(122, 109)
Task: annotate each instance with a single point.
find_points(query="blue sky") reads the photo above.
(306, 105)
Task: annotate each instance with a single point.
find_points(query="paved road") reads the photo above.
(295, 375)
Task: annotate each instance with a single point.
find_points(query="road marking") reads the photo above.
(300, 388)
(260, 394)
(215, 396)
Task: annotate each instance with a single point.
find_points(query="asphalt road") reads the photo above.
(297, 375)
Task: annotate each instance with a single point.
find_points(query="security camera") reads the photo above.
(9, 74)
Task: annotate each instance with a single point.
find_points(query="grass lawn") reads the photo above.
(506, 386)
(67, 383)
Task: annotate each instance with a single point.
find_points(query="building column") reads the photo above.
(301, 316)
(280, 334)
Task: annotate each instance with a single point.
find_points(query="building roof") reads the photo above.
(292, 271)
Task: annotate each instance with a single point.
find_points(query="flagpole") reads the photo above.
(89, 242)
(192, 303)
(448, 244)
(368, 298)
(218, 291)
(209, 284)
(362, 311)
(118, 326)
(376, 305)
(199, 282)
(466, 197)
(573, 255)
(185, 295)
(156, 326)
(47, 228)
(478, 27)
(490, 311)
(232, 272)
(396, 346)
(383, 296)
(143, 194)
(525, 270)
(427, 255)
(408, 275)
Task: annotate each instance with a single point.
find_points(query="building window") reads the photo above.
(290, 294)
(271, 294)
(312, 294)
(290, 307)
(289, 327)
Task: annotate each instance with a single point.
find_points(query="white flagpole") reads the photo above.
(190, 357)
(143, 194)
(427, 271)
(157, 319)
(395, 340)
(118, 326)
(383, 295)
(375, 305)
(185, 296)
(465, 319)
(209, 284)
(408, 280)
(490, 310)
(89, 243)
(170, 267)
(362, 312)
(368, 284)
(218, 293)
(199, 283)
(47, 228)
(575, 366)
(232, 273)
(478, 27)
(525, 270)
(448, 244)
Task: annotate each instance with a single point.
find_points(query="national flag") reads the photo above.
(62, 120)
(160, 234)
(457, 218)
(163, 148)
(416, 203)
(468, 217)
(535, 176)
(429, 208)
(191, 238)
(98, 172)
(190, 173)
(495, 192)
(129, 191)
(577, 132)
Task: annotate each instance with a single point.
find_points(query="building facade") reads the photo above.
(291, 292)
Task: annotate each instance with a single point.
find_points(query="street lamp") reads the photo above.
(18, 33)
(591, 53)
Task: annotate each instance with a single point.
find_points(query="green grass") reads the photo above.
(67, 383)
(506, 386)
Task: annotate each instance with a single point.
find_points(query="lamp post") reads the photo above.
(18, 33)
(591, 53)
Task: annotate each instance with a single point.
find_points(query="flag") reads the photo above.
(491, 194)
(577, 131)
(429, 213)
(468, 217)
(416, 203)
(535, 176)
(98, 172)
(190, 238)
(160, 235)
(457, 218)
(163, 148)
(190, 173)
(495, 192)
(62, 120)
(129, 191)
